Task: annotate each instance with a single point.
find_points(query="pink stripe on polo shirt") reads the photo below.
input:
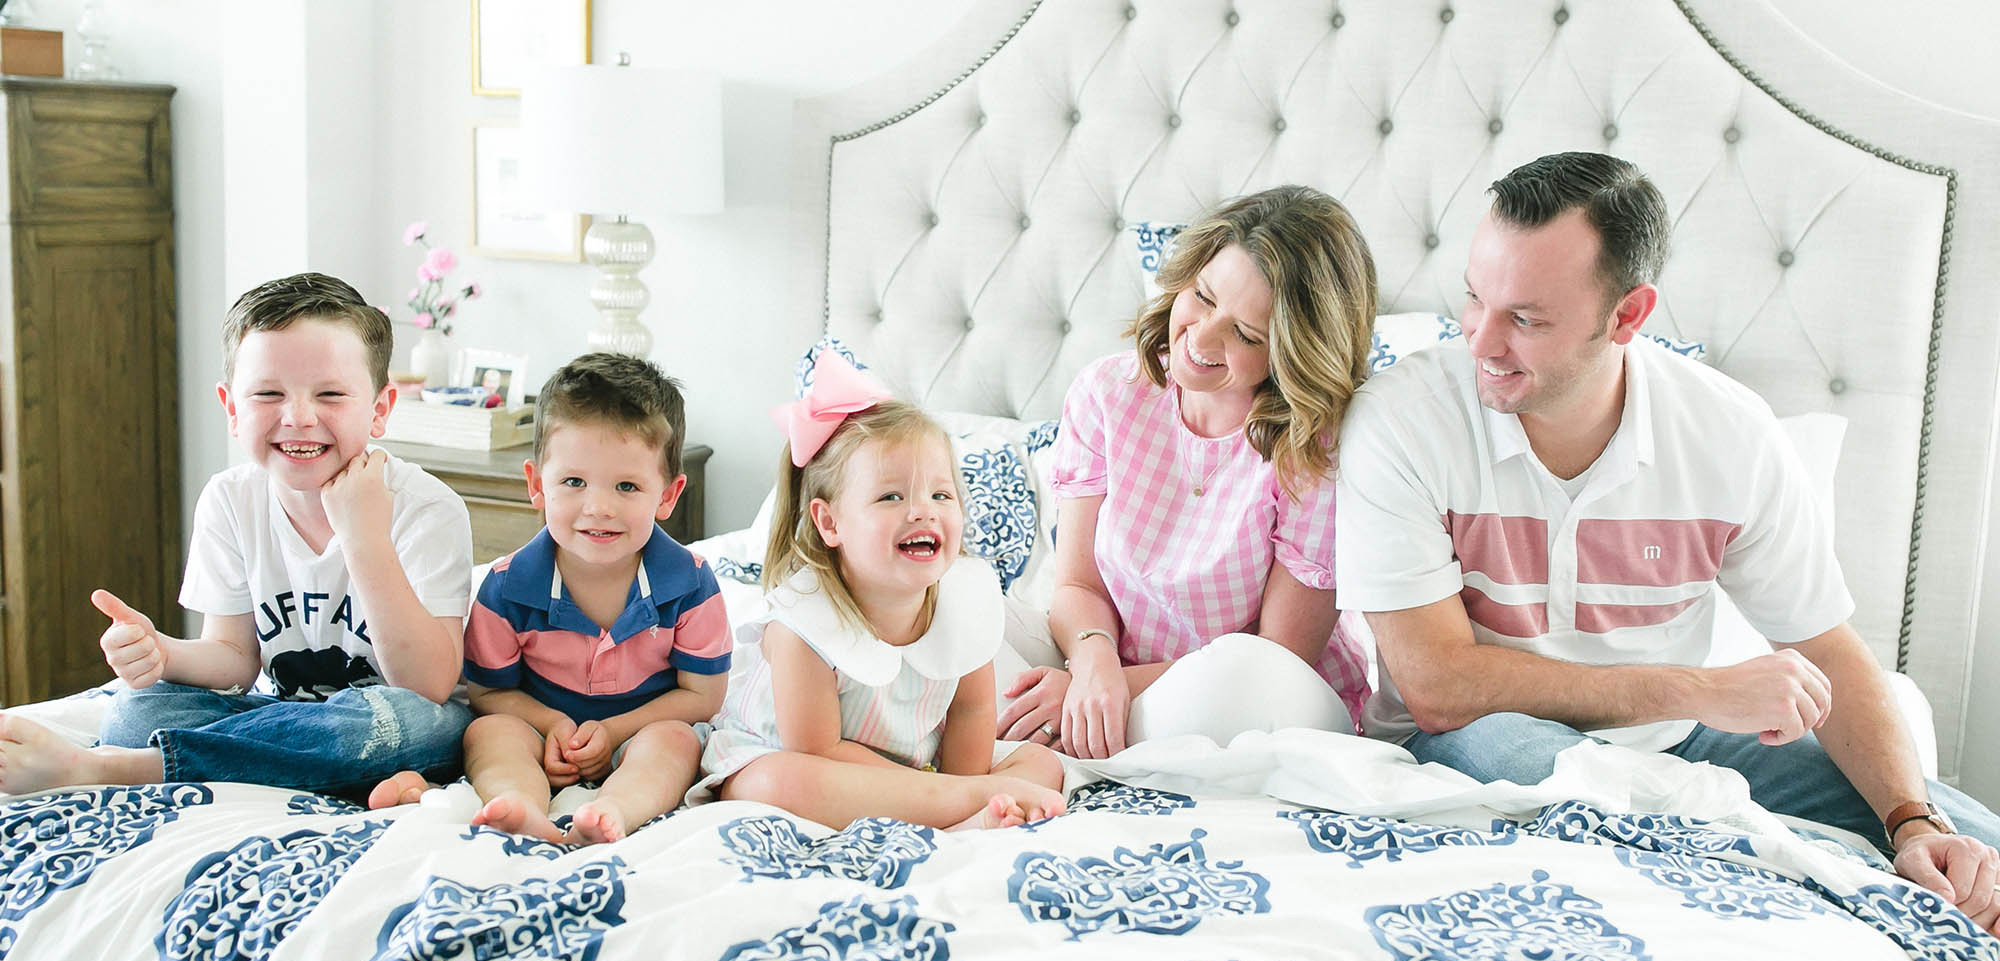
(490, 641)
(1510, 550)
(1651, 552)
(705, 622)
(1512, 620)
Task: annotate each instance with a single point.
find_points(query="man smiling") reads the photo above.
(1536, 523)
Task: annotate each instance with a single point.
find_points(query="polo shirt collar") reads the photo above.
(666, 569)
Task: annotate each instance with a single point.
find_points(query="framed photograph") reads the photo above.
(502, 373)
(510, 37)
(504, 224)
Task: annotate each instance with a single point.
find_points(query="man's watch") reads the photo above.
(1909, 811)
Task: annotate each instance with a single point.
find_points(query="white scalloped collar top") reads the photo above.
(964, 633)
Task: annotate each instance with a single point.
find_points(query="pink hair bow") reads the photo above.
(838, 390)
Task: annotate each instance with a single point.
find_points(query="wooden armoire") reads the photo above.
(90, 490)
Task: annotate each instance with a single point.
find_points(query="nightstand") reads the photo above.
(496, 493)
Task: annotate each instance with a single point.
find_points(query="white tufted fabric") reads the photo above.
(959, 221)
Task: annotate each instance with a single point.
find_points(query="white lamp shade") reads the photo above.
(622, 140)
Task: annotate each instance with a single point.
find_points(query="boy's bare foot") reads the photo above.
(402, 787)
(597, 822)
(515, 816)
(34, 758)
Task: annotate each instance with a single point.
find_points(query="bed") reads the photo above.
(974, 228)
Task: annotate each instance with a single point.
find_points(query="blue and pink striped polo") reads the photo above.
(525, 632)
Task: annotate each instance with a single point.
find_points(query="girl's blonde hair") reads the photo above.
(795, 542)
(1322, 277)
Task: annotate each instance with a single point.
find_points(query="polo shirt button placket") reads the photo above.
(604, 646)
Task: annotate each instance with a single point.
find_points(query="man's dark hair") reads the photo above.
(1633, 227)
(619, 391)
(277, 304)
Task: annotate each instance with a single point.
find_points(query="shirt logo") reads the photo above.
(1651, 552)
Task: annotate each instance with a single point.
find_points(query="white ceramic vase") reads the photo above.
(431, 358)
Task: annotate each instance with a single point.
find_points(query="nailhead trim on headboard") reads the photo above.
(1937, 306)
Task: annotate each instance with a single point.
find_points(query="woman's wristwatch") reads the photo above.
(1909, 811)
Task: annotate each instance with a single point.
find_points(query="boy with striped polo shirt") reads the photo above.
(592, 650)
(1535, 523)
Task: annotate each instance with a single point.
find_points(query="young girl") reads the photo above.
(866, 683)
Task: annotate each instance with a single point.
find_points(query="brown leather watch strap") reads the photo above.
(1909, 811)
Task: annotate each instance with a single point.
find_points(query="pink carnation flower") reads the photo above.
(415, 232)
(424, 320)
(413, 295)
(440, 261)
(425, 273)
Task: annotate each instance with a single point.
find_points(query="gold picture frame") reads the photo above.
(501, 224)
(511, 36)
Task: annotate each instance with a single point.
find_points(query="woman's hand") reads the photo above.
(1036, 712)
(1095, 707)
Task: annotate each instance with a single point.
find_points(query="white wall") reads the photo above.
(718, 282)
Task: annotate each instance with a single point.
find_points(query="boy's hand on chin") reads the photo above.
(357, 500)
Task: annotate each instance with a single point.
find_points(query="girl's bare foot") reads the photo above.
(1001, 811)
(402, 787)
(1037, 802)
(597, 822)
(516, 816)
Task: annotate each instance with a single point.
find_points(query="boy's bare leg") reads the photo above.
(402, 787)
(34, 758)
(836, 792)
(503, 759)
(659, 766)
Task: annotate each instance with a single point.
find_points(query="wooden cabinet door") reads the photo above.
(98, 459)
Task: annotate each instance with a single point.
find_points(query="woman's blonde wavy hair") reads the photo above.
(1322, 277)
(795, 543)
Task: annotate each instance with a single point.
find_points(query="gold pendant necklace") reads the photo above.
(1201, 483)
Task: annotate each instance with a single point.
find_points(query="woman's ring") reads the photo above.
(1050, 731)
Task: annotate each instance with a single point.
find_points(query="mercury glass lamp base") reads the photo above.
(622, 336)
(618, 249)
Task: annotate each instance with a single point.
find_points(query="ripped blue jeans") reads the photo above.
(341, 745)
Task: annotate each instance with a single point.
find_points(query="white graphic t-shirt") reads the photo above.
(245, 557)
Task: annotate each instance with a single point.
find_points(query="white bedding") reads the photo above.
(1189, 861)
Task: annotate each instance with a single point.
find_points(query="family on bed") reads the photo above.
(1533, 522)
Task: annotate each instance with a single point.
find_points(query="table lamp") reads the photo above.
(611, 141)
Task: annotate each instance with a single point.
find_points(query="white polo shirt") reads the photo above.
(1439, 495)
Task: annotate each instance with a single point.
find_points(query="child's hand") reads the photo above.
(357, 500)
(590, 750)
(130, 644)
(561, 772)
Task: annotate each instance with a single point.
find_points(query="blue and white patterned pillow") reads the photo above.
(1399, 335)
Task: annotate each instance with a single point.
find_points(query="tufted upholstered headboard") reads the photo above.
(959, 220)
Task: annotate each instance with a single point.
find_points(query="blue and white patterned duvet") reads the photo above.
(237, 871)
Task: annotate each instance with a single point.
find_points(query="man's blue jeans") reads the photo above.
(1797, 779)
(342, 745)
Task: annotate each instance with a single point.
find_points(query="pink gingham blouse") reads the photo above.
(1184, 569)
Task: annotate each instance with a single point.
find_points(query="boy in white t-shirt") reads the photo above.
(338, 573)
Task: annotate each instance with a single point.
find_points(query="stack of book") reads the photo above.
(461, 426)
